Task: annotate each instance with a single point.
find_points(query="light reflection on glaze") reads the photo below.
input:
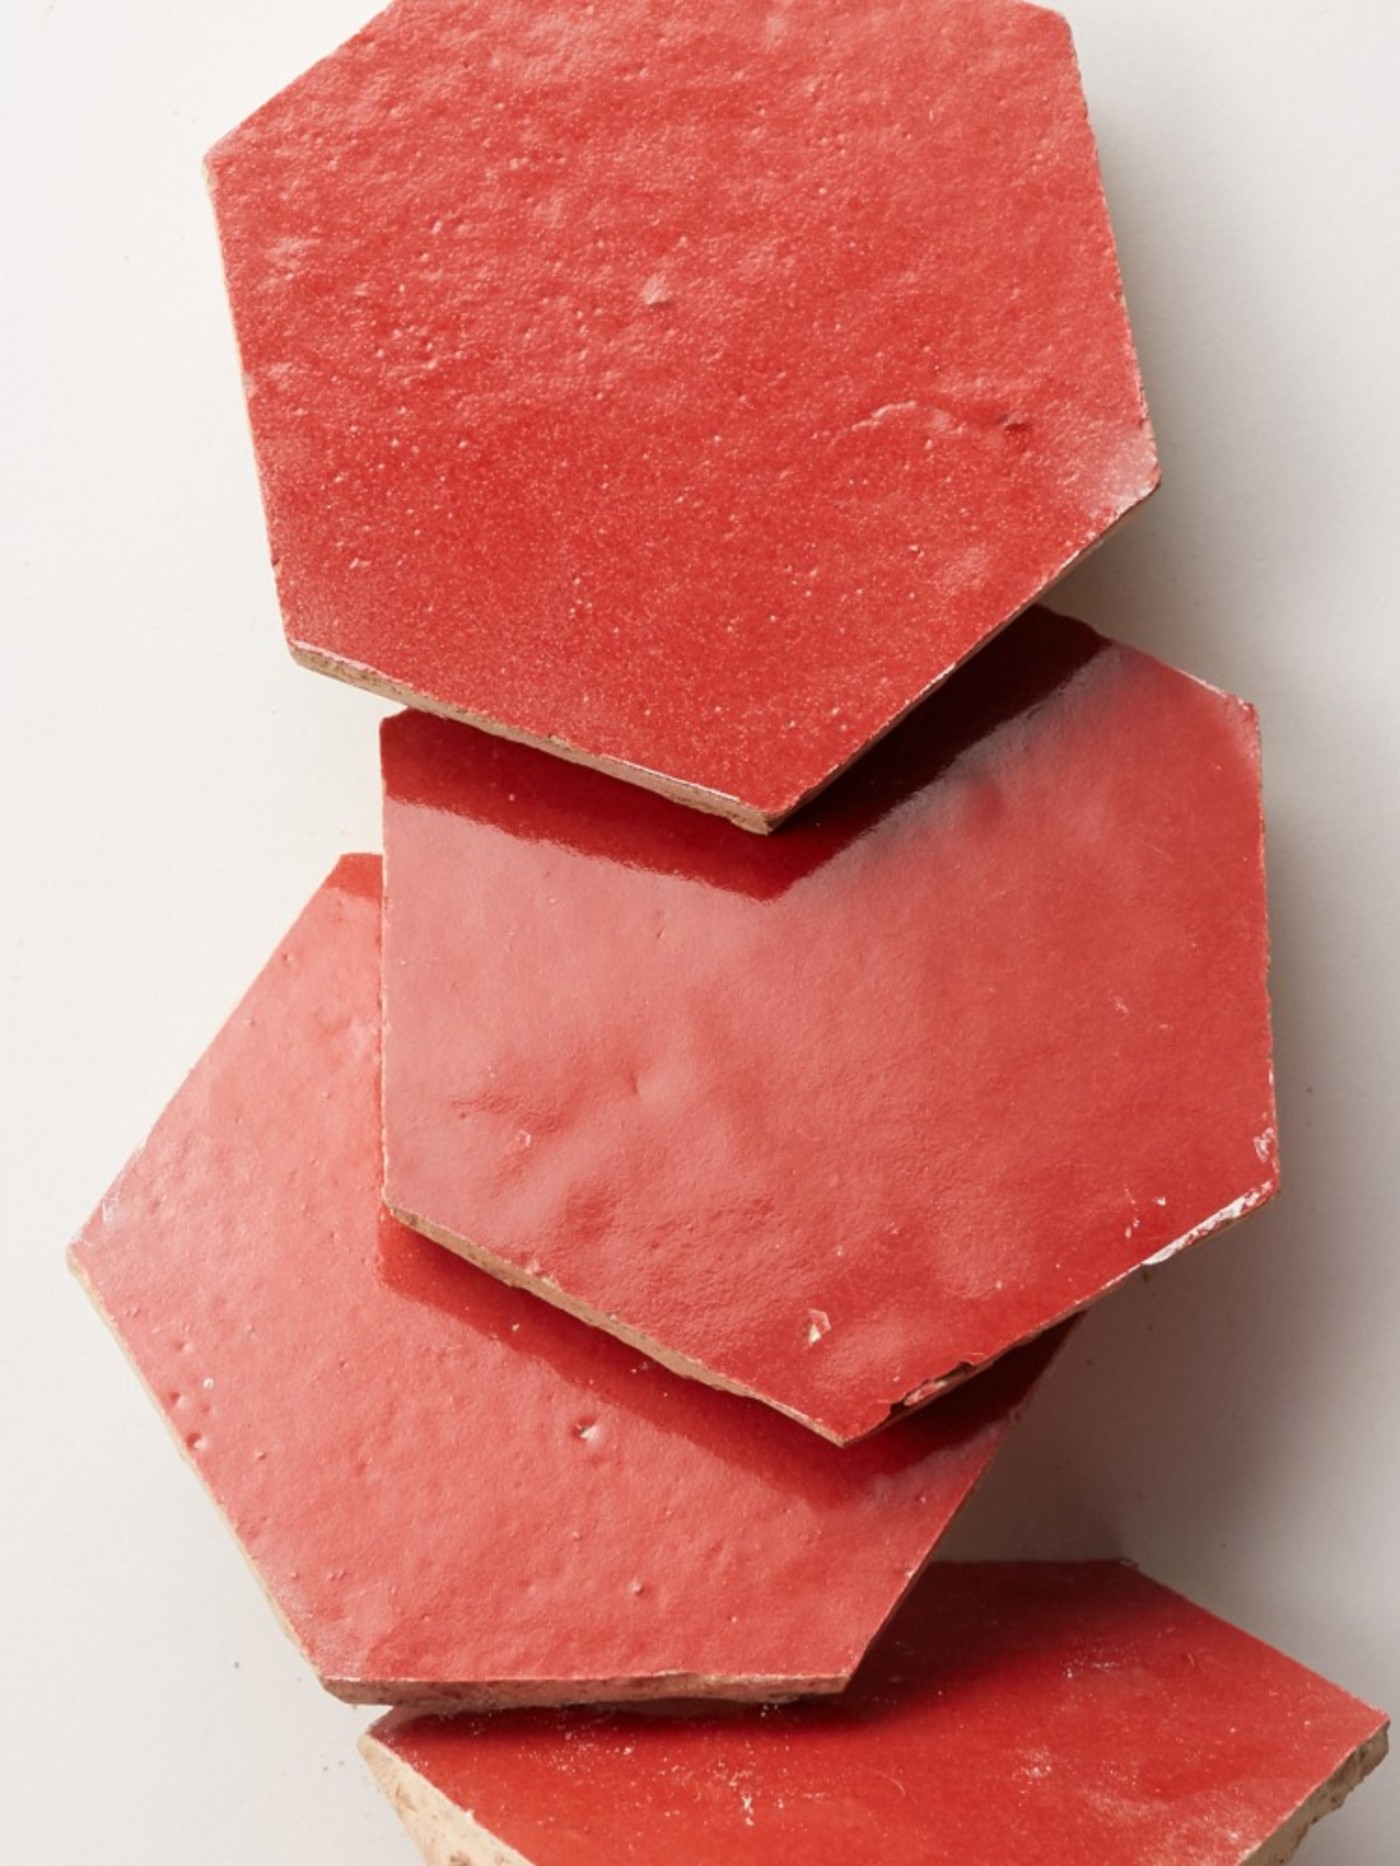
(448, 1489)
(977, 1034)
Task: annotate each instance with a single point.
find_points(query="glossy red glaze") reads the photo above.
(685, 389)
(833, 1117)
(449, 1490)
(1015, 1715)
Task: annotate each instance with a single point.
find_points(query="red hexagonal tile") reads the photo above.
(451, 1492)
(1030, 1714)
(833, 1117)
(688, 390)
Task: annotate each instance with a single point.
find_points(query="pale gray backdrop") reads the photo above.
(175, 788)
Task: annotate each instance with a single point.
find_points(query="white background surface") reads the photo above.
(175, 788)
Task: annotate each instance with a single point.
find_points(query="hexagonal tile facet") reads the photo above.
(833, 1117)
(451, 1492)
(1037, 1714)
(686, 390)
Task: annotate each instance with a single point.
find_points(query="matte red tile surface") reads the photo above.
(448, 1489)
(1015, 1715)
(689, 389)
(834, 1116)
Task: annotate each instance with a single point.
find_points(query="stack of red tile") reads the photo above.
(690, 393)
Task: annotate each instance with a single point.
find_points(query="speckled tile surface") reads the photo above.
(1027, 1714)
(686, 391)
(450, 1491)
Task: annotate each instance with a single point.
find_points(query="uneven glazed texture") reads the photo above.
(1047, 1714)
(450, 1491)
(833, 1116)
(688, 388)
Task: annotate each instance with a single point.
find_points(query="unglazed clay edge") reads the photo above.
(919, 1396)
(712, 802)
(444, 1834)
(1325, 1799)
(448, 1698)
